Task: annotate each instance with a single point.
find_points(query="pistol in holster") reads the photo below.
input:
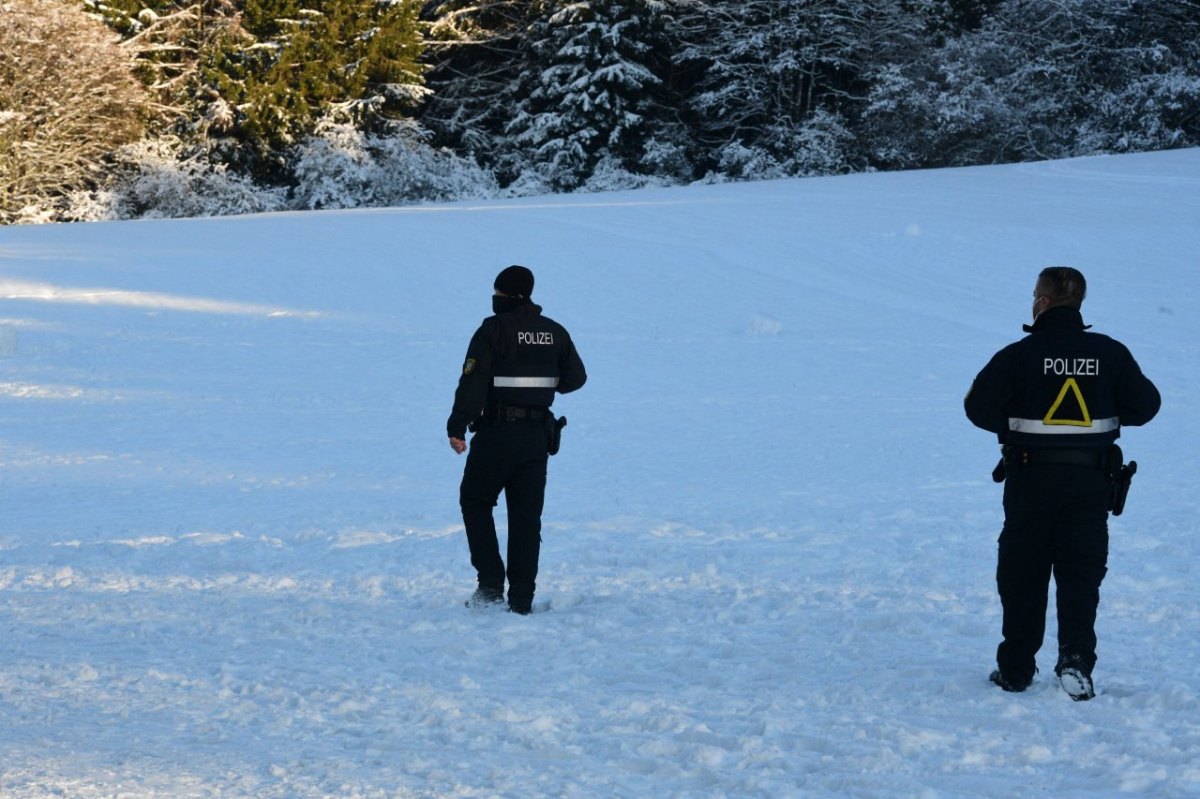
(554, 432)
(1000, 472)
(1121, 476)
(1009, 462)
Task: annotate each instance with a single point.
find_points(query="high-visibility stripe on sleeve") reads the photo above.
(525, 382)
(1038, 427)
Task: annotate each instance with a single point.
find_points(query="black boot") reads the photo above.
(1010, 684)
(486, 596)
(1075, 678)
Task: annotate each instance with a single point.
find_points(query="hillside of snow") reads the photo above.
(232, 563)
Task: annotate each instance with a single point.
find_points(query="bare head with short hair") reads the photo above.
(1059, 285)
(1064, 285)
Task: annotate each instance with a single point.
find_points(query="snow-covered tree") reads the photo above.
(475, 56)
(173, 43)
(946, 110)
(1147, 92)
(338, 166)
(352, 102)
(341, 166)
(953, 17)
(589, 93)
(166, 178)
(780, 81)
(68, 98)
(1043, 79)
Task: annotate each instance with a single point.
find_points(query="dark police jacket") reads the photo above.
(1061, 386)
(517, 358)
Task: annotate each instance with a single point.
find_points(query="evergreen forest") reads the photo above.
(113, 109)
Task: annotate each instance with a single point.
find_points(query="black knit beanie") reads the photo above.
(515, 281)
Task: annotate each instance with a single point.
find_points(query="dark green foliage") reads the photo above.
(551, 94)
(356, 58)
(248, 79)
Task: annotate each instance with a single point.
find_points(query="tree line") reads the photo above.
(181, 107)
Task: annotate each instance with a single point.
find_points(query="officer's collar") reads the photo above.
(514, 304)
(1059, 316)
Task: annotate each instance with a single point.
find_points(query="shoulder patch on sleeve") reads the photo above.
(469, 366)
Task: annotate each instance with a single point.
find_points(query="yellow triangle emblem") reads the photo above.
(1086, 417)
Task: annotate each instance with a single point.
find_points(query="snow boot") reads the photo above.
(1075, 679)
(486, 596)
(1009, 684)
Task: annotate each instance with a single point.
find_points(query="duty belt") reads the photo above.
(513, 413)
(1073, 457)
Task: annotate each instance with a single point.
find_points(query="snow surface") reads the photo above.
(231, 560)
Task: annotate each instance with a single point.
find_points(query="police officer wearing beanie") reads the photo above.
(515, 363)
(1057, 400)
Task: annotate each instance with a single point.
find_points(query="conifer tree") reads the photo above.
(1043, 79)
(587, 93)
(780, 82)
(475, 55)
(357, 58)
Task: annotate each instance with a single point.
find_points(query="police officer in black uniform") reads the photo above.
(515, 363)
(1057, 399)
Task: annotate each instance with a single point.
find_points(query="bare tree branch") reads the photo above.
(68, 98)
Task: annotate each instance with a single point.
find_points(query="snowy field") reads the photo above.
(232, 565)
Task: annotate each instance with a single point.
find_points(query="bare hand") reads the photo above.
(458, 445)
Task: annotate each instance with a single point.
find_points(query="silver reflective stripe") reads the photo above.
(525, 382)
(1039, 427)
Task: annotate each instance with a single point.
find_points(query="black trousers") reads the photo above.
(1055, 522)
(509, 457)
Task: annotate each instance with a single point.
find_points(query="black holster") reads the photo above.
(554, 432)
(1009, 463)
(1121, 476)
